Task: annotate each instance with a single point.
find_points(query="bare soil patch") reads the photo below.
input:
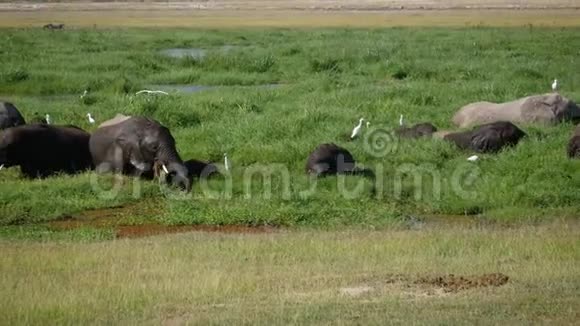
(455, 283)
(119, 219)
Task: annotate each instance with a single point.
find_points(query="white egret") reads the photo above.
(226, 162)
(47, 118)
(555, 85)
(401, 120)
(368, 124)
(151, 92)
(91, 120)
(473, 158)
(357, 129)
(1, 166)
(85, 93)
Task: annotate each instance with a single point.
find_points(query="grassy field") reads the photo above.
(299, 277)
(329, 78)
(347, 251)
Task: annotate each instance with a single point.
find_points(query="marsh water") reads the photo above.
(195, 53)
(189, 88)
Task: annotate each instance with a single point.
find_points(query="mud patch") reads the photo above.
(138, 231)
(128, 222)
(418, 287)
(455, 283)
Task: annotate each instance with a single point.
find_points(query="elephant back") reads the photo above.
(10, 116)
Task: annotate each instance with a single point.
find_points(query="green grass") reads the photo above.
(295, 277)
(331, 78)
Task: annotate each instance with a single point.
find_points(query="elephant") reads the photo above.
(43, 150)
(200, 169)
(419, 130)
(10, 116)
(574, 143)
(487, 138)
(545, 109)
(53, 26)
(138, 146)
(118, 118)
(330, 159)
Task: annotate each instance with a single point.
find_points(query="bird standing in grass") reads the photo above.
(85, 93)
(473, 158)
(401, 120)
(47, 118)
(91, 120)
(356, 131)
(555, 85)
(226, 162)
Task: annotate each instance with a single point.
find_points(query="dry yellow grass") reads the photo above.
(289, 18)
(303, 277)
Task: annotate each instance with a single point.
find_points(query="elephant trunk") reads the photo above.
(176, 172)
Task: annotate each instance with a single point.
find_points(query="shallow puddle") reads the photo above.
(187, 88)
(195, 53)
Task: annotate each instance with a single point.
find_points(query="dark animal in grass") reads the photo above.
(487, 138)
(574, 144)
(329, 159)
(10, 116)
(38, 119)
(43, 150)
(139, 146)
(53, 26)
(200, 169)
(419, 130)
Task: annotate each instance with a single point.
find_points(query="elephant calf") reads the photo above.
(487, 138)
(328, 159)
(574, 144)
(138, 146)
(419, 130)
(43, 150)
(200, 169)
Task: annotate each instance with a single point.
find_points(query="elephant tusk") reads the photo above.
(164, 168)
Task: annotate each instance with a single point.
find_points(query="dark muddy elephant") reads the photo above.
(329, 159)
(10, 116)
(487, 138)
(44, 150)
(138, 146)
(419, 130)
(574, 143)
(200, 169)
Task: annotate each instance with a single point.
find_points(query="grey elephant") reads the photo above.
(419, 130)
(117, 119)
(10, 116)
(139, 146)
(329, 159)
(574, 143)
(487, 138)
(546, 109)
(43, 150)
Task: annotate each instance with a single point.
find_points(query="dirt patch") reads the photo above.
(138, 231)
(417, 287)
(455, 283)
(126, 221)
